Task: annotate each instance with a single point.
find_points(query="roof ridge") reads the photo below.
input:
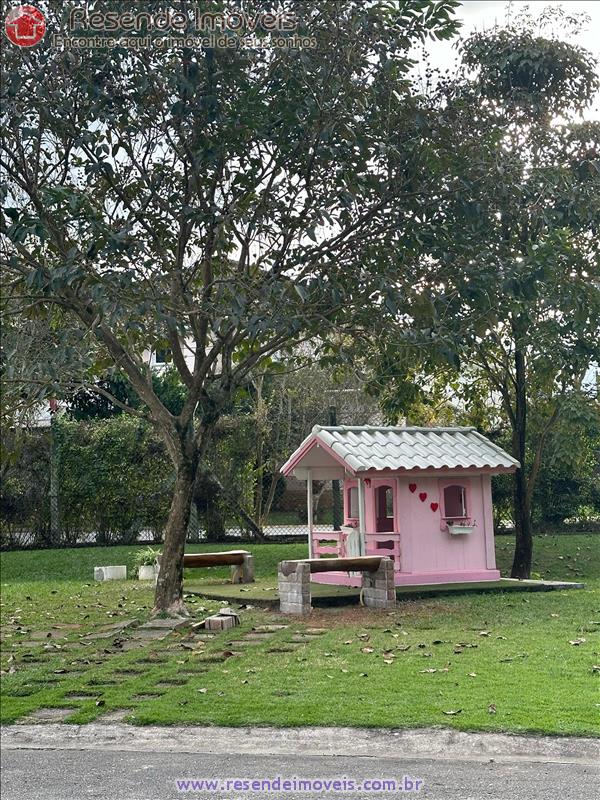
(420, 428)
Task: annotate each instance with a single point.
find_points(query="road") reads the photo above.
(53, 768)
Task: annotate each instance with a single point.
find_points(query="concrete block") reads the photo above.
(243, 573)
(220, 622)
(110, 573)
(294, 608)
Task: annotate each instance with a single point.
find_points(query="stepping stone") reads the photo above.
(138, 698)
(82, 695)
(258, 636)
(37, 635)
(67, 625)
(27, 644)
(315, 631)
(151, 634)
(119, 626)
(269, 628)
(129, 672)
(244, 643)
(133, 644)
(118, 715)
(290, 648)
(46, 715)
(168, 624)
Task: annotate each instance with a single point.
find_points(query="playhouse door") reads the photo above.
(384, 511)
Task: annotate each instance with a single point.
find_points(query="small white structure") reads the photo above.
(110, 573)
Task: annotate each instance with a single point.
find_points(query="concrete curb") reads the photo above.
(362, 743)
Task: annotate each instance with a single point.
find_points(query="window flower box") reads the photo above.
(461, 527)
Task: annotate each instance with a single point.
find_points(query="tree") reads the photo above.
(512, 299)
(239, 199)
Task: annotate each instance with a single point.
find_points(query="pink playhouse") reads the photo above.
(420, 495)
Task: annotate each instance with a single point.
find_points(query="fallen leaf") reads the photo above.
(472, 674)
(452, 713)
(203, 690)
(484, 633)
(388, 660)
(578, 641)
(429, 671)
(492, 708)
(367, 650)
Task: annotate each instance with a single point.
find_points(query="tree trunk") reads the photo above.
(521, 567)
(168, 598)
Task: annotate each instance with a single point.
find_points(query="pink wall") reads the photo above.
(425, 545)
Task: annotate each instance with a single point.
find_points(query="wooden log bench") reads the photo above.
(378, 589)
(240, 561)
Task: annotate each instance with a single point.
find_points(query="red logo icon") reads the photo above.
(25, 26)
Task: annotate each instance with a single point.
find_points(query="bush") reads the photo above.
(115, 479)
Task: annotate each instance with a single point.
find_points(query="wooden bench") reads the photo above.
(378, 589)
(240, 561)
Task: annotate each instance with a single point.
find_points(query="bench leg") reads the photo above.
(294, 589)
(378, 589)
(243, 573)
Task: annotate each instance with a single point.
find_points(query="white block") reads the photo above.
(110, 573)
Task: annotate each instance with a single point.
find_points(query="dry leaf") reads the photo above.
(452, 713)
(203, 691)
(388, 660)
(472, 674)
(484, 633)
(429, 671)
(367, 650)
(492, 708)
(580, 640)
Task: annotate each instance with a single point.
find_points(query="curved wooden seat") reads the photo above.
(225, 559)
(355, 564)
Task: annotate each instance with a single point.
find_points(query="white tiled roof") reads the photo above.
(364, 448)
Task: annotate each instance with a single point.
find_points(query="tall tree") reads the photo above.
(513, 291)
(241, 200)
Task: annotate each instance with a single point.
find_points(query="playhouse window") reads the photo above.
(384, 506)
(352, 502)
(455, 502)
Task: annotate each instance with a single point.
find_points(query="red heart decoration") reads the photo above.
(434, 506)
(412, 487)
(423, 496)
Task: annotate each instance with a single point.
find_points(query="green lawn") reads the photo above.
(504, 661)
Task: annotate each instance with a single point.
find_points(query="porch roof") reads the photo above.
(360, 449)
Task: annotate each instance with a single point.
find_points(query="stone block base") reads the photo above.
(110, 573)
(378, 590)
(294, 588)
(243, 573)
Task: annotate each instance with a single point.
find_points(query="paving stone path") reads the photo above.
(182, 638)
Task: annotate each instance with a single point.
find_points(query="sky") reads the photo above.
(482, 14)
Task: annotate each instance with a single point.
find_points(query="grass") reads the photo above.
(503, 660)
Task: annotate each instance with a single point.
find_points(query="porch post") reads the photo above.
(361, 517)
(309, 510)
